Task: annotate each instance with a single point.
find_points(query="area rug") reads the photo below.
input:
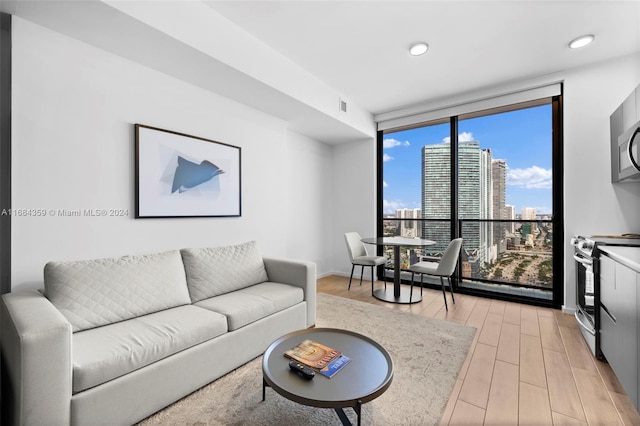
(427, 355)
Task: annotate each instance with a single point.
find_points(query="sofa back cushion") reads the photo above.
(92, 293)
(219, 270)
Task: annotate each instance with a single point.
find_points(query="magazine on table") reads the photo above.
(327, 361)
(335, 366)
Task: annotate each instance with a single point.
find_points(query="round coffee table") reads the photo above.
(366, 377)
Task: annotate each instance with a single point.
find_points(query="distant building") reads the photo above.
(409, 228)
(510, 214)
(474, 201)
(436, 194)
(528, 213)
(499, 185)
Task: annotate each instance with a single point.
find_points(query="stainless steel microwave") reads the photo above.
(625, 139)
(628, 149)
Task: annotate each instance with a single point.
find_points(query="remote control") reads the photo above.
(302, 370)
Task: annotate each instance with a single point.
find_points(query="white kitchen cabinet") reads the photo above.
(607, 298)
(620, 322)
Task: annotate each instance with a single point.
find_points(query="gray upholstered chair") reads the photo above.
(444, 268)
(358, 256)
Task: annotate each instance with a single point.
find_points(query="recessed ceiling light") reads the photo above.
(581, 41)
(418, 49)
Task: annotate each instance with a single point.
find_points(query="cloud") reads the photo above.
(462, 137)
(386, 157)
(543, 210)
(385, 184)
(391, 143)
(533, 177)
(465, 137)
(392, 206)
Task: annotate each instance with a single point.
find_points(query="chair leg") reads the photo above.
(361, 273)
(444, 293)
(421, 284)
(451, 289)
(351, 276)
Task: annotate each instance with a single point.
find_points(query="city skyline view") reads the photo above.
(522, 138)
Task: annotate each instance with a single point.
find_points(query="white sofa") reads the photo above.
(111, 341)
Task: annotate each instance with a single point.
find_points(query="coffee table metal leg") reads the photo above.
(264, 389)
(343, 417)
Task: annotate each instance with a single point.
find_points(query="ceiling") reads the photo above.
(361, 47)
(295, 59)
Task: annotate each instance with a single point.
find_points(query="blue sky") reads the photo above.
(521, 137)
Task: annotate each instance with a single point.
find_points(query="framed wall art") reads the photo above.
(179, 175)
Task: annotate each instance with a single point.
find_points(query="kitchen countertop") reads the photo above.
(629, 256)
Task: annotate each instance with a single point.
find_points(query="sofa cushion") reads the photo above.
(105, 353)
(92, 293)
(250, 304)
(219, 270)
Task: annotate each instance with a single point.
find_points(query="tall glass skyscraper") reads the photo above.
(499, 177)
(474, 202)
(436, 194)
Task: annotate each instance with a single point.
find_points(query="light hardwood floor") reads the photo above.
(526, 365)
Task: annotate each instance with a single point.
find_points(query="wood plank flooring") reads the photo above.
(527, 365)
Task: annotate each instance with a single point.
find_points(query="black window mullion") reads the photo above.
(455, 230)
(380, 199)
(557, 200)
(453, 127)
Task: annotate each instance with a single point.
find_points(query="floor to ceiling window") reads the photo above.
(492, 177)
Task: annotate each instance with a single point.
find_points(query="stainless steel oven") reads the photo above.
(586, 277)
(587, 260)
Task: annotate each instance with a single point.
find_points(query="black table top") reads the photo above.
(367, 376)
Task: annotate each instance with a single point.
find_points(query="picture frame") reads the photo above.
(180, 175)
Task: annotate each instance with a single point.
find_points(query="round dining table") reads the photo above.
(397, 294)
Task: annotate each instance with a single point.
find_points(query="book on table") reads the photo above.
(314, 354)
(335, 366)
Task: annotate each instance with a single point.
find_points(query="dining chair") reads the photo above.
(444, 268)
(358, 256)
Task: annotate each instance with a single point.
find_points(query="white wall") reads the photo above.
(592, 204)
(308, 214)
(74, 107)
(354, 199)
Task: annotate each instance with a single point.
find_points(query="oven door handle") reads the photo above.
(582, 260)
(587, 327)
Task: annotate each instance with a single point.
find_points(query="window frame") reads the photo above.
(557, 291)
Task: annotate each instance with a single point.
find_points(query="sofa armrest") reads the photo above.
(36, 360)
(299, 273)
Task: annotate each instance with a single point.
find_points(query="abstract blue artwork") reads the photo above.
(179, 175)
(189, 175)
